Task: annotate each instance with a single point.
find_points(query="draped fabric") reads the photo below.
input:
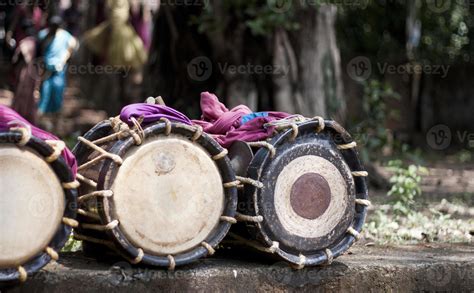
(152, 113)
(7, 116)
(239, 123)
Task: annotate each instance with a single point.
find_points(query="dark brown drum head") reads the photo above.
(310, 196)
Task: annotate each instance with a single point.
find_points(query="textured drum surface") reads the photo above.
(31, 205)
(310, 197)
(168, 195)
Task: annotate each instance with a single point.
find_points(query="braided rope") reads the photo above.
(329, 256)
(321, 123)
(360, 174)
(347, 146)
(52, 253)
(24, 129)
(168, 126)
(71, 185)
(228, 219)
(232, 184)
(209, 248)
(250, 181)
(23, 274)
(88, 214)
(58, 147)
(363, 202)
(139, 257)
(264, 144)
(246, 218)
(101, 193)
(172, 263)
(87, 181)
(354, 233)
(197, 133)
(221, 155)
(110, 226)
(70, 222)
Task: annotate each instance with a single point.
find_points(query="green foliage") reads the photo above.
(375, 113)
(405, 186)
(261, 17)
(379, 31)
(72, 245)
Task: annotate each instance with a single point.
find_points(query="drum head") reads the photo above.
(31, 205)
(168, 195)
(308, 198)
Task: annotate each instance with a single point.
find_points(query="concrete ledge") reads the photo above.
(408, 268)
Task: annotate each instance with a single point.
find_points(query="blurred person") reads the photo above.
(25, 10)
(72, 18)
(56, 46)
(115, 39)
(27, 74)
(142, 20)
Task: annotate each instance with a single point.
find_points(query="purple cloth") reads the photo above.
(226, 125)
(7, 115)
(152, 113)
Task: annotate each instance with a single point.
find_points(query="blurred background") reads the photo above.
(397, 74)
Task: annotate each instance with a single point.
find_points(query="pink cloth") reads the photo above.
(225, 125)
(7, 115)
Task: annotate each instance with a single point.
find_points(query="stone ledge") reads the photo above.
(401, 269)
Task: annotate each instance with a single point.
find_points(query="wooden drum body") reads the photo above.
(305, 198)
(38, 203)
(159, 198)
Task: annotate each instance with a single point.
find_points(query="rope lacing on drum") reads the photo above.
(101, 193)
(347, 146)
(197, 133)
(88, 214)
(58, 147)
(228, 219)
(172, 263)
(246, 218)
(220, 155)
(24, 129)
(329, 256)
(250, 181)
(321, 123)
(301, 262)
(264, 144)
(70, 222)
(139, 257)
(104, 154)
(168, 126)
(110, 226)
(52, 253)
(354, 233)
(80, 237)
(86, 180)
(23, 274)
(360, 173)
(363, 202)
(208, 247)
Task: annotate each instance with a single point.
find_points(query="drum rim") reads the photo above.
(64, 175)
(351, 157)
(109, 171)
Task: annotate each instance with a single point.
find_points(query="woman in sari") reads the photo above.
(27, 77)
(56, 46)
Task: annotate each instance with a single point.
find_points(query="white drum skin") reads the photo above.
(168, 195)
(324, 224)
(31, 205)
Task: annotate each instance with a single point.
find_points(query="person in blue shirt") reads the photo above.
(56, 46)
